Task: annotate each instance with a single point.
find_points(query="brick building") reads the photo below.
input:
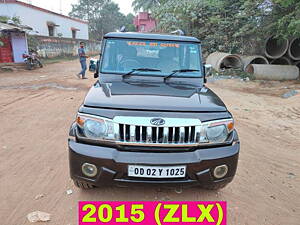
(143, 22)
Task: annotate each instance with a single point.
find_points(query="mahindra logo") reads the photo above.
(157, 121)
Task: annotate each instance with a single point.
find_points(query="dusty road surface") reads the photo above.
(37, 108)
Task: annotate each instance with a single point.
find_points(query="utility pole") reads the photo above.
(60, 7)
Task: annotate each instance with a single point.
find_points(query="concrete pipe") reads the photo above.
(282, 61)
(273, 72)
(294, 49)
(275, 48)
(221, 61)
(255, 59)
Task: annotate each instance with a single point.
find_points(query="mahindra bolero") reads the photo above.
(150, 118)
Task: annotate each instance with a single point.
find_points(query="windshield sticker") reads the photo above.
(153, 44)
(136, 43)
(172, 45)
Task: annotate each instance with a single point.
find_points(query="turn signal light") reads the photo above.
(80, 121)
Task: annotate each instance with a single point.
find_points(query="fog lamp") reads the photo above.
(89, 170)
(220, 171)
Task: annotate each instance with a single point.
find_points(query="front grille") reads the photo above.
(175, 132)
(158, 135)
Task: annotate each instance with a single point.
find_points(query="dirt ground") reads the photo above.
(37, 108)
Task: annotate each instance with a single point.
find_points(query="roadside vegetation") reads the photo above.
(235, 26)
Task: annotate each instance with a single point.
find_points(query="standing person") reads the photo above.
(82, 59)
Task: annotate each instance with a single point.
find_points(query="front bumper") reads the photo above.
(112, 164)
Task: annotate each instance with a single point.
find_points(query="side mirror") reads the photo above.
(208, 70)
(96, 74)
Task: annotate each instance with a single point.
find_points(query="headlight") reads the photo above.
(218, 131)
(94, 127)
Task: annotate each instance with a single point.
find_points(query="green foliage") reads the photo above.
(288, 24)
(236, 26)
(210, 20)
(4, 19)
(32, 42)
(129, 23)
(145, 5)
(15, 19)
(103, 16)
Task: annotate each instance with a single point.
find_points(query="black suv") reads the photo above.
(149, 118)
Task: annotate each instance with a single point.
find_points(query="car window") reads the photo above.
(123, 55)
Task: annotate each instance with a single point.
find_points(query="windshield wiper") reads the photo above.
(179, 71)
(140, 69)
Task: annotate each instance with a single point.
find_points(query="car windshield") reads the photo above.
(124, 55)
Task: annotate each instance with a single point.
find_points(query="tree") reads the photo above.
(264, 18)
(145, 5)
(236, 26)
(213, 21)
(110, 19)
(286, 18)
(129, 23)
(103, 16)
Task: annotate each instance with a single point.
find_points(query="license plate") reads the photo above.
(157, 171)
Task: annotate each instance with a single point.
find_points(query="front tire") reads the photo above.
(29, 66)
(83, 185)
(39, 64)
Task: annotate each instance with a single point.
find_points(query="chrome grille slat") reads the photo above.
(174, 135)
(141, 133)
(117, 134)
(132, 133)
(181, 134)
(188, 134)
(197, 134)
(156, 132)
(124, 132)
(149, 135)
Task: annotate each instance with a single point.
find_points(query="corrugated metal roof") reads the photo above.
(11, 27)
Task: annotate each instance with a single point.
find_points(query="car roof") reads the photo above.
(151, 36)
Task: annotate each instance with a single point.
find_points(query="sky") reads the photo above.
(54, 5)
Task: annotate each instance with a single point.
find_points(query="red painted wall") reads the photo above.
(6, 50)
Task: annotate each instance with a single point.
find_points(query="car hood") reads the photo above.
(153, 97)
